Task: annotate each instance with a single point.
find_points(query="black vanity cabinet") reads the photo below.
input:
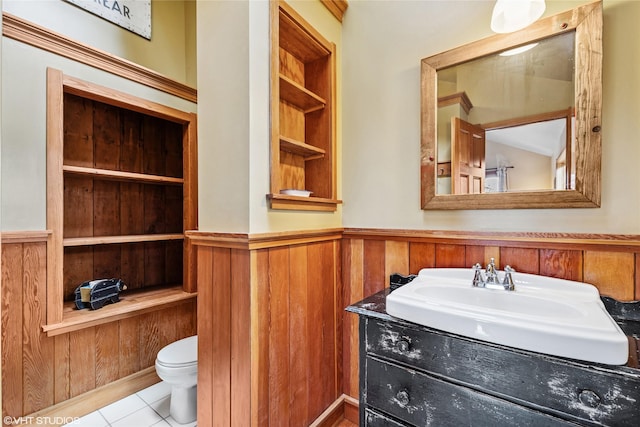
(411, 375)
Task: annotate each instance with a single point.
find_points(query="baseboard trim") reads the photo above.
(95, 399)
(342, 408)
(351, 409)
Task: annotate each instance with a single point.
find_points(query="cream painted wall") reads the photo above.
(171, 50)
(224, 115)
(383, 43)
(234, 123)
(23, 151)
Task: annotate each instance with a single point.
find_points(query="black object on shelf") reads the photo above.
(94, 294)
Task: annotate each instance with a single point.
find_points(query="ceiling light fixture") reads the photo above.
(514, 15)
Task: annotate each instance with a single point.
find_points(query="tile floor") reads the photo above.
(146, 408)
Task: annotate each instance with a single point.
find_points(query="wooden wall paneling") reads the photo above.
(82, 361)
(221, 337)
(106, 136)
(78, 267)
(62, 354)
(129, 345)
(279, 376)
(260, 340)
(106, 218)
(421, 255)
(157, 329)
(292, 123)
(637, 295)
(305, 328)
(338, 314)
(187, 319)
(327, 283)
(563, 264)
(12, 306)
(396, 259)
(482, 254)
(154, 262)
(107, 260)
(131, 145)
(318, 129)
(37, 349)
(524, 260)
(173, 210)
(492, 252)
(132, 267)
(292, 171)
(132, 212)
(373, 269)
(613, 273)
(352, 261)
(154, 143)
(78, 211)
(107, 353)
(206, 320)
(150, 338)
(167, 325)
(173, 149)
(154, 209)
(240, 283)
(291, 67)
(78, 131)
(449, 255)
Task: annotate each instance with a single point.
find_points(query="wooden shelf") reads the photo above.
(131, 304)
(122, 176)
(303, 119)
(286, 202)
(109, 240)
(309, 152)
(300, 41)
(110, 185)
(297, 95)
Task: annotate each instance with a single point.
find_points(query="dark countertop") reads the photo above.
(627, 315)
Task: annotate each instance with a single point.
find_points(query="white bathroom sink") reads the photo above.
(543, 314)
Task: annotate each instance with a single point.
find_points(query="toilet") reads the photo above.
(177, 365)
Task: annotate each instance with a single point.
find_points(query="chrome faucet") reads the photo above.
(491, 279)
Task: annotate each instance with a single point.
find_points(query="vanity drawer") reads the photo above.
(376, 419)
(420, 400)
(583, 393)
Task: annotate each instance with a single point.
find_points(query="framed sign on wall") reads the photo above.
(134, 15)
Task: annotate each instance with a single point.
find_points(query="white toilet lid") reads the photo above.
(180, 353)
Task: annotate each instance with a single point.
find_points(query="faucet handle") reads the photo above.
(477, 274)
(492, 274)
(508, 279)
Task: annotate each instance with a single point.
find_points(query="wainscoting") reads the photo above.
(269, 321)
(275, 342)
(40, 371)
(369, 256)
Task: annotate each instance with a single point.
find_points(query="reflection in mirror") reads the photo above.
(513, 120)
(519, 102)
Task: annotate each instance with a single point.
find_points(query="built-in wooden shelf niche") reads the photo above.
(121, 192)
(303, 146)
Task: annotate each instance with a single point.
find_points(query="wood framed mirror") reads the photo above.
(468, 92)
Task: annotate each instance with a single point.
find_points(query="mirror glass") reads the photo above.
(522, 102)
(513, 120)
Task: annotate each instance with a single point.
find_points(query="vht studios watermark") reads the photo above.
(39, 421)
